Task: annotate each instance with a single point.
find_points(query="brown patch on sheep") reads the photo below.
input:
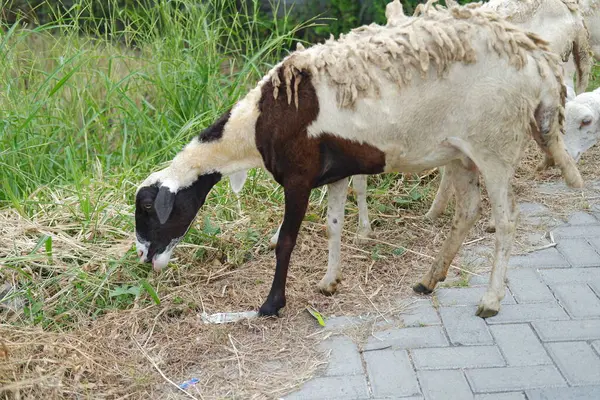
(287, 150)
(438, 38)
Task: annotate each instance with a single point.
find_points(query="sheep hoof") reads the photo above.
(420, 288)
(328, 287)
(271, 307)
(431, 215)
(364, 234)
(489, 306)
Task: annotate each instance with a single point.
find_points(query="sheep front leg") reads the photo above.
(466, 186)
(359, 182)
(296, 202)
(336, 200)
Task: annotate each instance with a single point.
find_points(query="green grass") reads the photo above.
(87, 116)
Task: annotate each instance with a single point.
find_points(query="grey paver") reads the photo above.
(527, 286)
(428, 336)
(464, 327)
(596, 288)
(578, 252)
(576, 231)
(514, 313)
(420, 313)
(341, 323)
(596, 345)
(545, 258)
(457, 357)
(578, 299)
(332, 388)
(577, 361)
(391, 373)
(466, 296)
(552, 331)
(444, 384)
(514, 378)
(570, 393)
(479, 280)
(344, 358)
(571, 275)
(582, 218)
(501, 396)
(595, 242)
(520, 345)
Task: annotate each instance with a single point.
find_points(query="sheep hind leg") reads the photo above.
(505, 213)
(364, 231)
(336, 200)
(466, 186)
(442, 197)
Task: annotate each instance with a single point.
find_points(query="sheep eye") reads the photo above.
(147, 207)
(585, 122)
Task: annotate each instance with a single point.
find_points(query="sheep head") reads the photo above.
(582, 125)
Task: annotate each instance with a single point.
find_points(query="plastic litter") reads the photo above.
(188, 383)
(223, 318)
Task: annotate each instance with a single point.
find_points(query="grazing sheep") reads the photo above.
(460, 88)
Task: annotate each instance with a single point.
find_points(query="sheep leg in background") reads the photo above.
(465, 181)
(583, 60)
(274, 238)
(359, 182)
(505, 213)
(296, 193)
(336, 200)
(442, 197)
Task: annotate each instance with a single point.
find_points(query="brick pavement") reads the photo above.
(544, 343)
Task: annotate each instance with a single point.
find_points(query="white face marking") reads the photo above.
(141, 247)
(159, 261)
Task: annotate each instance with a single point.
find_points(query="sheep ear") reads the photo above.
(299, 46)
(165, 199)
(237, 180)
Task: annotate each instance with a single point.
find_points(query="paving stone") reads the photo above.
(458, 357)
(570, 393)
(582, 218)
(579, 300)
(520, 345)
(596, 345)
(332, 388)
(513, 313)
(553, 331)
(527, 286)
(427, 336)
(466, 296)
(545, 258)
(570, 275)
(594, 242)
(343, 322)
(420, 313)
(501, 396)
(514, 378)
(464, 327)
(596, 288)
(444, 384)
(576, 231)
(578, 252)
(391, 373)
(344, 358)
(479, 280)
(577, 361)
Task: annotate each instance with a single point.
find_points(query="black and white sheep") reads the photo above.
(460, 88)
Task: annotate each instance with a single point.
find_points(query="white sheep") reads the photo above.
(560, 22)
(460, 88)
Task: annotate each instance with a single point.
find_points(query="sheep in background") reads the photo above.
(380, 100)
(560, 22)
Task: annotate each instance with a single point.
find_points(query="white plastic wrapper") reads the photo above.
(223, 318)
